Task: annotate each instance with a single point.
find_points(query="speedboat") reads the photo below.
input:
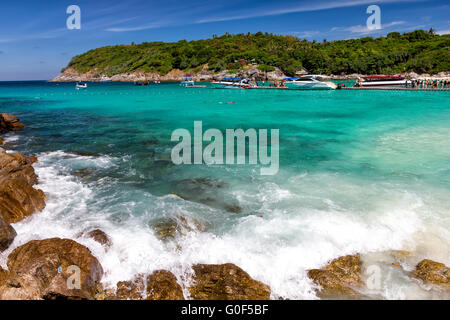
(81, 85)
(105, 79)
(232, 83)
(309, 83)
(189, 83)
(382, 81)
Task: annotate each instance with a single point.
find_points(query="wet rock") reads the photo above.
(18, 198)
(338, 278)
(163, 285)
(9, 122)
(131, 290)
(48, 269)
(432, 272)
(226, 282)
(1, 141)
(4, 274)
(7, 234)
(101, 237)
(169, 228)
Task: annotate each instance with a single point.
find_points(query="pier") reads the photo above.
(395, 89)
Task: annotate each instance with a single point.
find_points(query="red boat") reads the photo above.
(382, 81)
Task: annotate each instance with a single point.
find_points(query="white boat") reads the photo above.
(232, 83)
(382, 82)
(189, 83)
(105, 79)
(311, 82)
(81, 85)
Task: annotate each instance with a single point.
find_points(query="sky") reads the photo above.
(35, 43)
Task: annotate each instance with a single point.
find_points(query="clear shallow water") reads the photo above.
(359, 171)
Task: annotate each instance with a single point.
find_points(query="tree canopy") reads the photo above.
(419, 51)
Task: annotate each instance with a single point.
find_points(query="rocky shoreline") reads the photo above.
(251, 72)
(45, 269)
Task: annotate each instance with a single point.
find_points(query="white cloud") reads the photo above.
(302, 8)
(441, 32)
(364, 30)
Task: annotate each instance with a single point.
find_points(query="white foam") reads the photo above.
(300, 228)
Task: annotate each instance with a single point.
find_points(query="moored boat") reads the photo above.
(310, 82)
(81, 85)
(232, 83)
(382, 82)
(189, 83)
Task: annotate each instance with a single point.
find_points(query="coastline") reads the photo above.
(251, 73)
(341, 278)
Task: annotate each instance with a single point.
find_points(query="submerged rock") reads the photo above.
(163, 285)
(131, 290)
(169, 228)
(226, 282)
(48, 269)
(432, 272)
(206, 191)
(338, 278)
(18, 198)
(7, 234)
(9, 122)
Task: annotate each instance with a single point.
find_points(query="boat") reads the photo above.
(309, 82)
(81, 85)
(156, 82)
(232, 83)
(382, 82)
(105, 79)
(189, 83)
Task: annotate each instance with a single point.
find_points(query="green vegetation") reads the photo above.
(419, 51)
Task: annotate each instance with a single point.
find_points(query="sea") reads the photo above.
(359, 172)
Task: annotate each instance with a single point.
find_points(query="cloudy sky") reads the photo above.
(35, 42)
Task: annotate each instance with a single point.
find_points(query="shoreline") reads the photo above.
(343, 277)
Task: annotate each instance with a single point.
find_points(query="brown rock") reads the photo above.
(337, 278)
(7, 234)
(163, 285)
(169, 228)
(3, 276)
(46, 269)
(18, 198)
(131, 290)
(226, 282)
(9, 122)
(432, 272)
(1, 141)
(101, 237)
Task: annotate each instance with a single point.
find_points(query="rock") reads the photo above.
(101, 237)
(46, 269)
(226, 282)
(18, 198)
(3, 276)
(131, 290)
(432, 272)
(337, 278)
(9, 122)
(169, 228)
(7, 234)
(1, 141)
(163, 285)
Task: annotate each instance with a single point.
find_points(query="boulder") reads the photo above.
(7, 234)
(170, 228)
(163, 285)
(101, 237)
(18, 198)
(9, 122)
(226, 282)
(432, 272)
(51, 269)
(338, 278)
(160, 285)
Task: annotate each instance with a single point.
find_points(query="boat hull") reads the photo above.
(310, 85)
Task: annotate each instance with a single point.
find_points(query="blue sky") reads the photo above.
(35, 43)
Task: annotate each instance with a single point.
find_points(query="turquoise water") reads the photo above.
(360, 171)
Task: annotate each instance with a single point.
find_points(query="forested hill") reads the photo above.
(419, 51)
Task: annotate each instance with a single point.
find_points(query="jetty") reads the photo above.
(395, 89)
